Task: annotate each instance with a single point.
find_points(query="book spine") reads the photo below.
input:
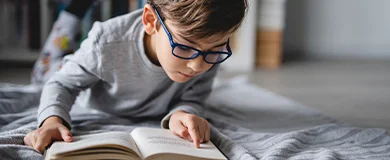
(133, 5)
(141, 3)
(46, 20)
(24, 26)
(105, 10)
(119, 7)
(86, 24)
(97, 16)
(19, 20)
(34, 24)
(10, 33)
(3, 28)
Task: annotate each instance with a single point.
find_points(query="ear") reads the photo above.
(149, 19)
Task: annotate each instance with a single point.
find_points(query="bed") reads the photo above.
(247, 122)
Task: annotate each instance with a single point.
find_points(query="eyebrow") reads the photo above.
(192, 42)
(220, 45)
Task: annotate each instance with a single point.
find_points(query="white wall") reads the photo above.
(338, 29)
(243, 58)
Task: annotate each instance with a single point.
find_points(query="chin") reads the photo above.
(177, 78)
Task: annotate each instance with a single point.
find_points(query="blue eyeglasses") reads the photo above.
(187, 52)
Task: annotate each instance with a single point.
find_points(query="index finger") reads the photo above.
(193, 130)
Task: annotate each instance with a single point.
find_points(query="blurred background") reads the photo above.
(332, 55)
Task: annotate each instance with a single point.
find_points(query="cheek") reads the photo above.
(207, 67)
(163, 49)
(167, 60)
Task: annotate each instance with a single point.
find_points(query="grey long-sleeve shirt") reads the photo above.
(110, 73)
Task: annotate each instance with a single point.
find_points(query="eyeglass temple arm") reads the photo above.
(161, 21)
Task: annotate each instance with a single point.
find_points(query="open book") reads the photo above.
(141, 143)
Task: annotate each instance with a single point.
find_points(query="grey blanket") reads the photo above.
(247, 122)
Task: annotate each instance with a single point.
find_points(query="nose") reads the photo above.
(197, 64)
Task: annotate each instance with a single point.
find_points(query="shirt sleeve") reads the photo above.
(193, 99)
(79, 72)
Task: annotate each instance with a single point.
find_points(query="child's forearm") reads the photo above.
(60, 91)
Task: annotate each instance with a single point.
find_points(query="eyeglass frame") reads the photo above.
(198, 52)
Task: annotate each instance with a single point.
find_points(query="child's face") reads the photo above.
(181, 70)
(159, 50)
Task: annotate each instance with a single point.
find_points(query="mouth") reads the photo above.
(186, 75)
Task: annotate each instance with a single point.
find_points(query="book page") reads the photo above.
(152, 141)
(121, 140)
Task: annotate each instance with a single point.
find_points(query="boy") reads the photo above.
(155, 62)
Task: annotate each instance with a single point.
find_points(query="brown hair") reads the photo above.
(201, 19)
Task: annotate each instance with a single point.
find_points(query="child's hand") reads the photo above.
(190, 127)
(51, 129)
